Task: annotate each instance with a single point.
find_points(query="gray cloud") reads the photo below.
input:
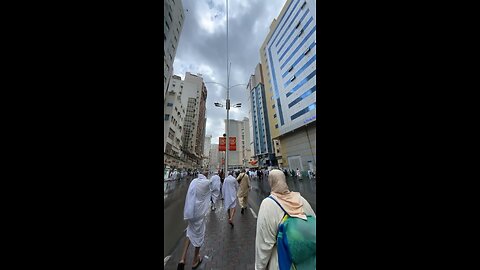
(202, 49)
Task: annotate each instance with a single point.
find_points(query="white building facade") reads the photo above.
(174, 116)
(194, 95)
(241, 131)
(290, 63)
(184, 119)
(206, 151)
(173, 17)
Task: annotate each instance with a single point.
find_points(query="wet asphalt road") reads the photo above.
(174, 201)
(173, 223)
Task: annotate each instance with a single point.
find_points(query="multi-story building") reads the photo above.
(173, 17)
(240, 130)
(215, 161)
(195, 96)
(288, 57)
(262, 142)
(206, 151)
(174, 115)
(185, 121)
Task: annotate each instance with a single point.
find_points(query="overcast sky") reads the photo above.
(202, 49)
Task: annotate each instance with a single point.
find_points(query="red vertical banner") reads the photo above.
(232, 144)
(222, 143)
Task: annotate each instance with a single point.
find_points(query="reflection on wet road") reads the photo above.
(173, 223)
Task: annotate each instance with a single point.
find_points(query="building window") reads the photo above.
(168, 27)
(293, 78)
(301, 32)
(304, 3)
(306, 52)
(273, 106)
(170, 16)
(298, 24)
(276, 125)
(167, 116)
(169, 104)
(275, 115)
(164, 37)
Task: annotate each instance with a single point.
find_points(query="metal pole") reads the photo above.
(227, 106)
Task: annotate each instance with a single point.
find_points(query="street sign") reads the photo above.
(222, 142)
(232, 144)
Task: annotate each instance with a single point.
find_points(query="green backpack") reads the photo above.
(296, 242)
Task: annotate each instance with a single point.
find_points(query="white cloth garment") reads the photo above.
(229, 190)
(269, 217)
(215, 187)
(196, 207)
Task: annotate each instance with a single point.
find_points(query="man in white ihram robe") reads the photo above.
(215, 189)
(196, 208)
(229, 190)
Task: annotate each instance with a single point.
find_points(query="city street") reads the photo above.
(173, 223)
(217, 246)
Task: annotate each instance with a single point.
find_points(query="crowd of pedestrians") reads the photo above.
(282, 207)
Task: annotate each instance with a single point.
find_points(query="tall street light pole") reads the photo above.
(227, 104)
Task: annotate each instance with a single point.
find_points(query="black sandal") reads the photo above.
(181, 266)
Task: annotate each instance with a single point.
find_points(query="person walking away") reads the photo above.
(222, 178)
(283, 204)
(299, 175)
(244, 183)
(216, 185)
(259, 175)
(230, 187)
(196, 207)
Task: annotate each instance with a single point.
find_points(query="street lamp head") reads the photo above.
(218, 104)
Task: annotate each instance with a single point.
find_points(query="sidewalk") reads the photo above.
(224, 247)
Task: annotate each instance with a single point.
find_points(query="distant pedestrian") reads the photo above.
(230, 187)
(244, 182)
(216, 185)
(196, 207)
(281, 206)
(299, 175)
(222, 178)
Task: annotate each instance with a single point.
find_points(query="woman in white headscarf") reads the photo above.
(270, 216)
(196, 208)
